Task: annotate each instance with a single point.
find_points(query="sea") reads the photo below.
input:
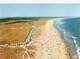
(69, 29)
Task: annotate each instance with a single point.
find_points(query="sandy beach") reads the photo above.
(46, 41)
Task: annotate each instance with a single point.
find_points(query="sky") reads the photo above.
(39, 10)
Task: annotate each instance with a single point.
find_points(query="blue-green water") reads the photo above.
(70, 30)
(72, 25)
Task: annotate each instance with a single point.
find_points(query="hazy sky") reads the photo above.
(38, 10)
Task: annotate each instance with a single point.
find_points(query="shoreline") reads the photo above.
(70, 49)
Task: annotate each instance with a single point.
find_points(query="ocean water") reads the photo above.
(70, 31)
(71, 27)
